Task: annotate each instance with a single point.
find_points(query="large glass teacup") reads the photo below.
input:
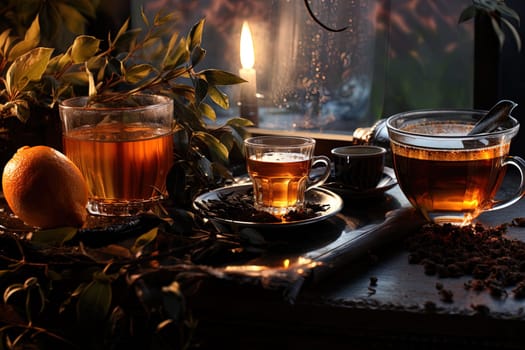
(448, 176)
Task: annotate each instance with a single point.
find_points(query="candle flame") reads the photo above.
(286, 263)
(247, 52)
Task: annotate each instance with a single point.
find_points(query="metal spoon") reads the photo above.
(494, 117)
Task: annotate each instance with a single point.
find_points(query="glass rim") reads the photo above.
(375, 151)
(433, 112)
(299, 141)
(79, 103)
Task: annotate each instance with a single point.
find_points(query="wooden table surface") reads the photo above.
(343, 310)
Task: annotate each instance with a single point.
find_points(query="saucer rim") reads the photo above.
(328, 197)
(372, 192)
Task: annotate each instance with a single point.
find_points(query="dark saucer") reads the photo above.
(387, 181)
(316, 195)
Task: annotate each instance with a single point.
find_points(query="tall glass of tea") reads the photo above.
(280, 170)
(449, 176)
(123, 148)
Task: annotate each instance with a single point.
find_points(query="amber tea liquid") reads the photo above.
(280, 180)
(443, 181)
(120, 162)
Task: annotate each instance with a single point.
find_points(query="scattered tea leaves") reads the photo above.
(493, 260)
(239, 206)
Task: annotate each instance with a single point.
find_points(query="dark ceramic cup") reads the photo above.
(358, 167)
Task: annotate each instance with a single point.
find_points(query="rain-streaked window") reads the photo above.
(392, 56)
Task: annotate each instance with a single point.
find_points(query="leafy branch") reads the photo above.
(501, 17)
(80, 289)
(154, 59)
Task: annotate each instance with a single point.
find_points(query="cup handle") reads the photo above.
(320, 179)
(519, 163)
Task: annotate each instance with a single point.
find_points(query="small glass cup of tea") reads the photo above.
(280, 168)
(449, 176)
(124, 150)
(358, 167)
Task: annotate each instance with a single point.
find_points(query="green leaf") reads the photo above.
(487, 5)
(506, 11)
(31, 40)
(19, 108)
(222, 170)
(173, 300)
(84, 47)
(176, 56)
(97, 63)
(5, 41)
(75, 78)
(235, 136)
(184, 91)
(167, 18)
(195, 35)
(499, 33)
(94, 301)
(514, 31)
(219, 77)
(197, 55)
(467, 14)
(123, 29)
(56, 236)
(138, 72)
(171, 48)
(227, 139)
(28, 67)
(201, 90)
(217, 150)
(144, 240)
(73, 19)
(220, 98)
(144, 17)
(57, 63)
(239, 122)
(127, 40)
(207, 111)
(205, 168)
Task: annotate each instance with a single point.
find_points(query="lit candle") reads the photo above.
(248, 100)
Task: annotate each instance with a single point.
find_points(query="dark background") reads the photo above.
(499, 74)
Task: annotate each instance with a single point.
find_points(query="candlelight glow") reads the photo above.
(286, 263)
(247, 52)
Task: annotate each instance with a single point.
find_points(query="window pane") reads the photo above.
(394, 55)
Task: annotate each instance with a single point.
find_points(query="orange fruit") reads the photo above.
(44, 188)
